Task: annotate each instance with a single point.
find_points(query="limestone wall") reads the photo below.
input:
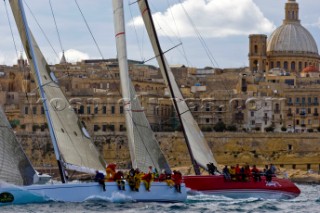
(300, 151)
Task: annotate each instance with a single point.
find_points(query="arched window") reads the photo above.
(271, 65)
(278, 64)
(255, 48)
(285, 65)
(300, 65)
(293, 66)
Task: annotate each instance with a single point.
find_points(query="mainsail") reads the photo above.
(73, 146)
(144, 148)
(197, 144)
(15, 167)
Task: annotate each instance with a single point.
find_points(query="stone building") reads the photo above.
(290, 47)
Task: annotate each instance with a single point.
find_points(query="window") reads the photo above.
(207, 120)
(300, 66)
(252, 113)
(26, 110)
(303, 100)
(121, 109)
(88, 110)
(297, 100)
(81, 109)
(42, 110)
(122, 128)
(113, 109)
(253, 122)
(104, 110)
(278, 64)
(255, 48)
(285, 65)
(309, 110)
(271, 65)
(96, 128)
(293, 66)
(207, 107)
(34, 110)
(96, 110)
(309, 100)
(297, 110)
(315, 100)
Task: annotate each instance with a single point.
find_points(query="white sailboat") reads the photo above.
(74, 149)
(198, 148)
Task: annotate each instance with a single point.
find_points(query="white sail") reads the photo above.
(199, 148)
(72, 146)
(144, 148)
(15, 167)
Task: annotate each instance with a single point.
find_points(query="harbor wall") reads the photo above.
(287, 150)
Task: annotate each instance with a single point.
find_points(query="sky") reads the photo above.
(204, 32)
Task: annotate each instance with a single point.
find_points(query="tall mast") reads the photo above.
(144, 147)
(119, 28)
(164, 65)
(29, 48)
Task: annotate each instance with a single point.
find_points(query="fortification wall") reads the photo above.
(300, 151)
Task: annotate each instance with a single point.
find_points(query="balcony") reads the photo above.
(315, 114)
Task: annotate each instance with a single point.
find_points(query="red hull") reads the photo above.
(212, 184)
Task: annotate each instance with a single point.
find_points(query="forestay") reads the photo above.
(144, 148)
(15, 167)
(199, 147)
(74, 146)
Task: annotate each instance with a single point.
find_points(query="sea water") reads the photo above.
(308, 201)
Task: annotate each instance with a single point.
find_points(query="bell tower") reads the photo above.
(257, 52)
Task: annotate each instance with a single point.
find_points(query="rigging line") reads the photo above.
(136, 33)
(55, 23)
(162, 53)
(179, 36)
(14, 42)
(211, 58)
(88, 27)
(202, 41)
(44, 34)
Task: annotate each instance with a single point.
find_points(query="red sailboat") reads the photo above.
(198, 148)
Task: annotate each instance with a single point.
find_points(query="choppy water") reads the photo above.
(308, 201)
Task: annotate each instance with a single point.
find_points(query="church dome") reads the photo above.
(292, 37)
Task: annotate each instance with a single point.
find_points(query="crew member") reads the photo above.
(100, 179)
(177, 178)
(118, 177)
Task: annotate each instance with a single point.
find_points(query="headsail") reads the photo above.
(15, 167)
(144, 148)
(197, 144)
(73, 147)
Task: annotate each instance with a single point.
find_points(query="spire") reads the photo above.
(291, 12)
(63, 59)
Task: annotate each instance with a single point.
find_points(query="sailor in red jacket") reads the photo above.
(147, 178)
(177, 179)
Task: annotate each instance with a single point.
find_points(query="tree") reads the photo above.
(219, 127)
(269, 129)
(232, 128)
(283, 129)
